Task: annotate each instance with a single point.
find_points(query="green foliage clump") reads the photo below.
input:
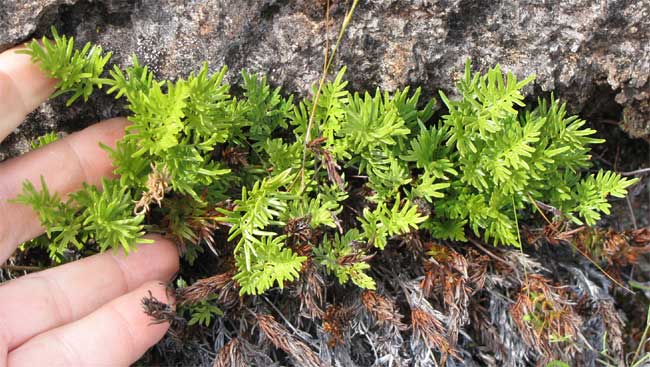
(505, 159)
(325, 181)
(201, 312)
(77, 71)
(342, 257)
(104, 217)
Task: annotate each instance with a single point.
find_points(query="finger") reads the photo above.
(58, 296)
(3, 355)
(115, 335)
(23, 86)
(64, 164)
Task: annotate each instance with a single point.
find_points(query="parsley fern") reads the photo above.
(374, 168)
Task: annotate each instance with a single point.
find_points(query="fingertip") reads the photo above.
(150, 330)
(159, 290)
(152, 261)
(164, 242)
(23, 86)
(167, 248)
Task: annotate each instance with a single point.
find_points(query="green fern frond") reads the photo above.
(108, 216)
(77, 71)
(258, 208)
(340, 258)
(272, 264)
(61, 225)
(266, 108)
(591, 194)
(383, 222)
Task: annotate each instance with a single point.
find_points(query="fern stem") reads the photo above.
(326, 66)
(534, 202)
(636, 172)
(490, 254)
(600, 268)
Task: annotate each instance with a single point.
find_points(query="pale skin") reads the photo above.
(85, 313)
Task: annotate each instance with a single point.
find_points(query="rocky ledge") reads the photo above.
(594, 54)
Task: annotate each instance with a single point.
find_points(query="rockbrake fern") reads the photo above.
(197, 160)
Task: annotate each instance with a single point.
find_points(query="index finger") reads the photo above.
(117, 334)
(23, 87)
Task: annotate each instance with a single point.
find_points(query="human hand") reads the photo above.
(83, 313)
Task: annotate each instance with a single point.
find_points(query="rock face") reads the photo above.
(594, 54)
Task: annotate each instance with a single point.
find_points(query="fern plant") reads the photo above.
(197, 161)
(78, 71)
(104, 217)
(342, 258)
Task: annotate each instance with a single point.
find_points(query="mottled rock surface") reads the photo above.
(594, 54)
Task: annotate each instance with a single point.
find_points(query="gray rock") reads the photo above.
(594, 54)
